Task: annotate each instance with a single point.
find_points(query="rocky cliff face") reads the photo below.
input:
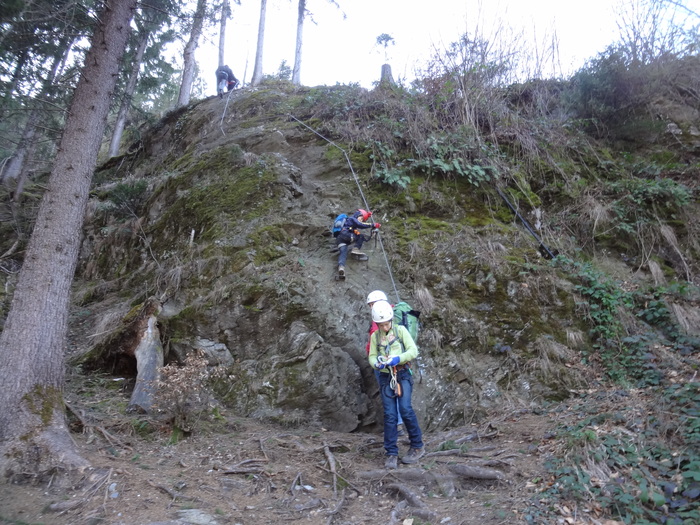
(222, 213)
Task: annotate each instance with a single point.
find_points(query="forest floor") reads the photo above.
(233, 470)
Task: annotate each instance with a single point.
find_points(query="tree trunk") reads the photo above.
(128, 93)
(296, 72)
(34, 437)
(17, 73)
(189, 62)
(16, 168)
(387, 79)
(257, 69)
(225, 13)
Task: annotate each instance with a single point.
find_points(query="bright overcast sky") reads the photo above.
(337, 50)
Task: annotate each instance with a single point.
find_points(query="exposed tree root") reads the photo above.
(468, 471)
(248, 466)
(410, 496)
(417, 475)
(50, 453)
(174, 494)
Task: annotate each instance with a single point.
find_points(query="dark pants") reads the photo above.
(344, 241)
(392, 409)
(399, 421)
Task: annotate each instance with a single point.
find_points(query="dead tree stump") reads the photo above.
(387, 79)
(134, 345)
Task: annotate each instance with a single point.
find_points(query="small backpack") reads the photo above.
(338, 224)
(408, 317)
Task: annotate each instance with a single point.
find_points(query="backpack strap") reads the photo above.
(396, 334)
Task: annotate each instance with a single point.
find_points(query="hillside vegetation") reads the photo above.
(548, 231)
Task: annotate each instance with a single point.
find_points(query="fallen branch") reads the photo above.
(353, 487)
(174, 494)
(294, 483)
(477, 436)
(410, 496)
(92, 489)
(331, 464)
(312, 504)
(109, 478)
(240, 468)
(111, 439)
(63, 506)
(337, 508)
(467, 471)
(465, 439)
(262, 449)
(453, 452)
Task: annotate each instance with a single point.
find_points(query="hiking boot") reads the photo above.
(391, 462)
(356, 251)
(414, 454)
(341, 271)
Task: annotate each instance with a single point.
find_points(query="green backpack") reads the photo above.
(408, 317)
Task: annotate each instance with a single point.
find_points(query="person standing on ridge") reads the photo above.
(350, 233)
(391, 350)
(373, 297)
(225, 79)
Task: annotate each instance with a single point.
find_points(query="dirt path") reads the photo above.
(241, 471)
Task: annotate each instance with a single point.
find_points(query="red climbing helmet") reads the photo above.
(365, 214)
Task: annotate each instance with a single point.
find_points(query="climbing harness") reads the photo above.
(394, 383)
(364, 200)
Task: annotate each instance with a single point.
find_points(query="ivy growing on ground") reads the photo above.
(627, 358)
(640, 468)
(614, 471)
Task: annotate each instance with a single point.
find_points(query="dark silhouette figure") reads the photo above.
(225, 79)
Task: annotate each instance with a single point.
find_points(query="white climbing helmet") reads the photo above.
(375, 296)
(382, 312)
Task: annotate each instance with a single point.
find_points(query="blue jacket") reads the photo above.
(355, 223)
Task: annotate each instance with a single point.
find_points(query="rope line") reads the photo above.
(221, 123)
(364, 200)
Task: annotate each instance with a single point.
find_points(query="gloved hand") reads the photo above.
(379, 365)
(377, 225)
(392, 361)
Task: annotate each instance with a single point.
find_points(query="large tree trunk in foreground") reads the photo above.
(34, 438)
